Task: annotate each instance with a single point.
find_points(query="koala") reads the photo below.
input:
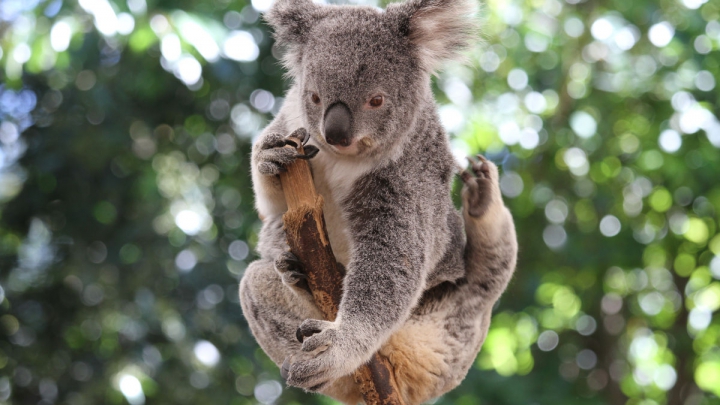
(421, 277)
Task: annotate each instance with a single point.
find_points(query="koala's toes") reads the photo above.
(316, 336)
(308, 371)
(467, 178)
(291, 271)
(270, 168)
(478, 199)
(310, 327)
(319, 342)
(273, 140)
(287, 262)
(275, 160)
(302, 134)
(303, 332)
(481, 185)
(482, 167)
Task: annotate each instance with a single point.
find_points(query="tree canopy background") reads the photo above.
(126, 210)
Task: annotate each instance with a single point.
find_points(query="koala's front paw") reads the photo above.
(482, 188)
(324, 358)
(273, 157)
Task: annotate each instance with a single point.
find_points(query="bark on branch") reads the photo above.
(308, 240)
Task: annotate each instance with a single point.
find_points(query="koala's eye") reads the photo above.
(376, 101)
(315, 98)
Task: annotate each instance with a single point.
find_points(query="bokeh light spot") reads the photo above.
(186, 260)
(670, 141)
(661, 34)
(610, 226)
(697, 231)
(206, 353)
(548, 340)
(554, 236)
(189, 222)
(583, 124)
(241, 46)
(132, 389)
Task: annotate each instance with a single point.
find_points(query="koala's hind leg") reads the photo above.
(275, 303)
(491, 248)
(432, 352)
(273, 309)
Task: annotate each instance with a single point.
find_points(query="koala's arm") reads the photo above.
(269, 197)
(384, 281)
(386, 274)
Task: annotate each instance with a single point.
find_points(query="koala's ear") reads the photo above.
(441, 29)
(292, 20)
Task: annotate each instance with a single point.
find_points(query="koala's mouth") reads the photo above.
(363, 145)
(341, 149)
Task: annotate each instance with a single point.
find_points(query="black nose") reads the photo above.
(337, 125)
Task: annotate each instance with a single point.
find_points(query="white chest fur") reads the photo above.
(334, 178)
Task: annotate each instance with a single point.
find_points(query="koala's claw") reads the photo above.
(305, 135)
(301, 133)
(310, 152)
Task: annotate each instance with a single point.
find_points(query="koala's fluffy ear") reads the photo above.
(441, 29)
(291, 20)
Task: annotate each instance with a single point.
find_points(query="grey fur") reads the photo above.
(410, 264)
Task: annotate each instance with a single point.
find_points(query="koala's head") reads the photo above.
(364, 73)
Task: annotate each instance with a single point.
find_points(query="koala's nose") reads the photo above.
(337, 125)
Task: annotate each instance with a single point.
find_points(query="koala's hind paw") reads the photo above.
(273, 157)
(481, 186)
(290, 270)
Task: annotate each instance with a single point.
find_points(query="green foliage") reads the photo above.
(126, 210)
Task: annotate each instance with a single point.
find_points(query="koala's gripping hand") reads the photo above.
(327, 354)
(273, 157)
(482, 187)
